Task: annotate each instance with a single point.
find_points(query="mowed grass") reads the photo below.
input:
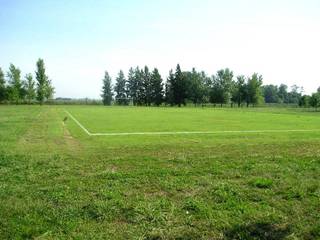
(56, 182)
(130, 119)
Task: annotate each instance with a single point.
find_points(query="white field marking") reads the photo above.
(186, 133)
(79, 124)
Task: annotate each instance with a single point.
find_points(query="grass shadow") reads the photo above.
(260, 230)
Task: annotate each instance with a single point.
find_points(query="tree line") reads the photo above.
(14, 89)
(143, 87)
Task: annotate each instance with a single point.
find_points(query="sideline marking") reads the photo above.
(185, 133)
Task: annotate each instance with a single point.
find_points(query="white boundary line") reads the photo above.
(79, 124)
(185, 133)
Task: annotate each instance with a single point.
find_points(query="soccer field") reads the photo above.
(129, 120)
(190, 173)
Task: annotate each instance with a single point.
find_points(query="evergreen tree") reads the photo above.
(106, 89)
(138, 75)
(29, 86)
(3, 89)
(120, 89)
(43, 84)
(169, 98)
(15, 84)
(146, 75)
(133, 85)
(216, 91)
(156, 86)
(179, 87)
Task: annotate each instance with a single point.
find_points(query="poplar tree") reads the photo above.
(253, 92)
(29, 86)
(15, 84)
(45, 89)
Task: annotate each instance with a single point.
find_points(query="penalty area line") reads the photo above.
(186, 133)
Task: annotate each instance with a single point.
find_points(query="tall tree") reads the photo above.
(156, 85)
(295, 94)
(42, 81)
(133, 85)
(146, 75)
(270, 93)
(141, 93)
(315, 100)
(304, 101)
(49, 90)
(179, 87)
(222, 86)
(3, 89)
(195, 86)
(15, 84)
(239, 90)
(106, 89)
(254, 84)
(169, 98)
(29, 86)
(120, 89)
(283, 93)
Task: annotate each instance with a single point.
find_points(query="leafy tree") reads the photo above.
(49, 90)
(43, 84)
(315, 100)
(295, 94)
(283, 93)
(106, 89)
(3, 89)
(207, 82)
(179, 87)
(120, 89)
(318, 90)
(304, 101)
(222, 86)
(15, 84)
(156, 86)
(195, 86)
(239, 90)
(254, 89)
(270, 93)
(29, 86)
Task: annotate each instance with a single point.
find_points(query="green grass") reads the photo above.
(56, 182)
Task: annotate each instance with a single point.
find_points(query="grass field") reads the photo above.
(58, 182)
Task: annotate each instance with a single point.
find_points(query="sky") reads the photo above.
(79, 39)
